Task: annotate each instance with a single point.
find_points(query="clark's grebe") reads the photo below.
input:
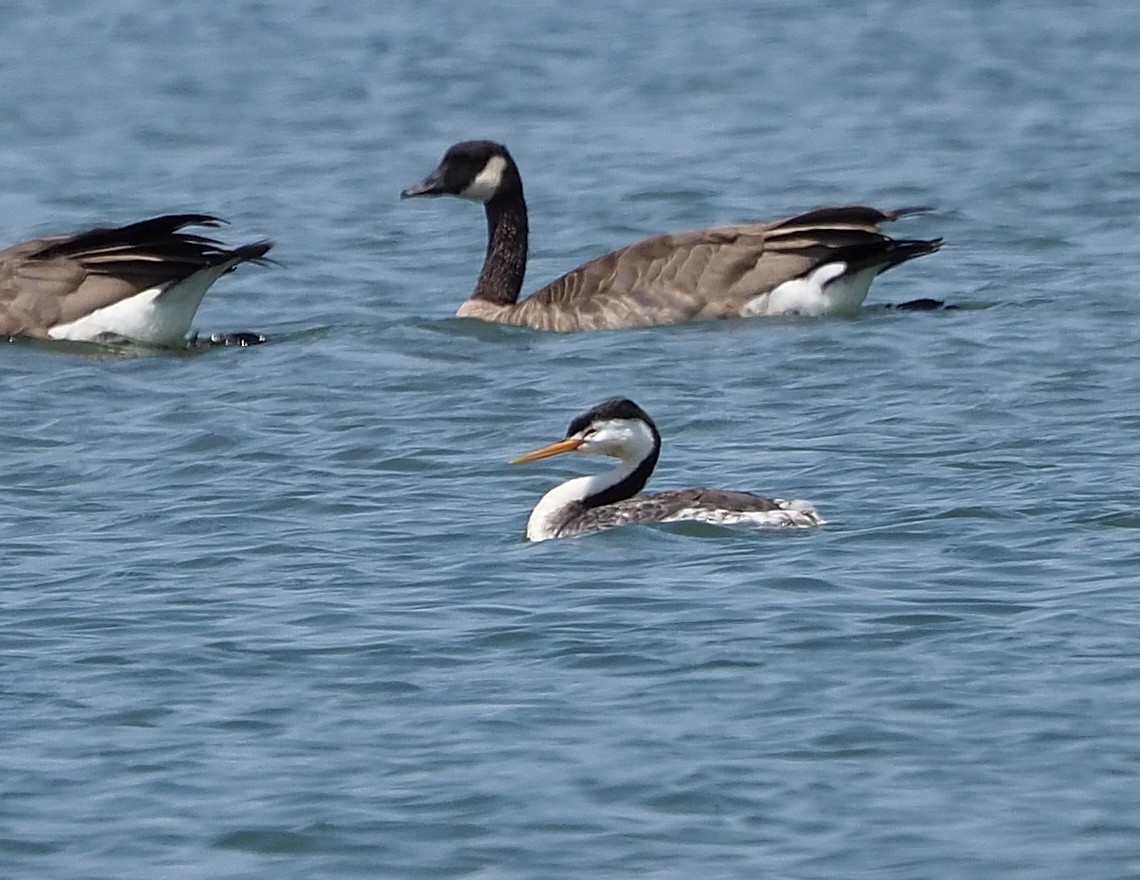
(621, 429)
(818, 263)
(141, 282)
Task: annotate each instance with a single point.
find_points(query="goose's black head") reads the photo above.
(477, 170)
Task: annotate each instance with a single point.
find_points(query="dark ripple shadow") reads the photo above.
(473, 328)
(197, 345)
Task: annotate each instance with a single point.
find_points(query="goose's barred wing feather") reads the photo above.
(715, 272)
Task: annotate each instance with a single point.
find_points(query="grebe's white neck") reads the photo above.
(560, 504)
(631, 440)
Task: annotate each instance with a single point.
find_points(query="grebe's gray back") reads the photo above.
(621, 429)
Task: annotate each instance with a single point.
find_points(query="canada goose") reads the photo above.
(818, 263)
(141, 282)
(621, 429)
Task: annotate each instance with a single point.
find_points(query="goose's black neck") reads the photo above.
(629, 485)
(504, 266)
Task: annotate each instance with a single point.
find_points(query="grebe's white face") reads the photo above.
(487, 182)
(631, 440)
(618, 438)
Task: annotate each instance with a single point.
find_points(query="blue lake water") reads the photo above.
(268, 612)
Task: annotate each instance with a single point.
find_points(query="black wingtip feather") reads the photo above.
(255, 252)
(156, 238)
(850, 215)
(896, 213)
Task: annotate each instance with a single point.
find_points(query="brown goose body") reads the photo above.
(142, 282)
(820, 262)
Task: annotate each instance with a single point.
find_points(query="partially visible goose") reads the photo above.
(818, 263)
(141, 282)
(621, 429)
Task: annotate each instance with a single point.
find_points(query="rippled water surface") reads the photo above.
(268, 612)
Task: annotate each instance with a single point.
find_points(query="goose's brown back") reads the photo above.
(707, 273)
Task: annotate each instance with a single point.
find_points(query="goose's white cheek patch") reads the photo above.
(487, 181)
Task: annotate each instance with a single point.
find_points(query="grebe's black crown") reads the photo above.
(617, 408)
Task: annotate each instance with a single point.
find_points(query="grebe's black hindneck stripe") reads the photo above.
(627, 487)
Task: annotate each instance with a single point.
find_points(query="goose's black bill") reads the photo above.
(432, 185)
